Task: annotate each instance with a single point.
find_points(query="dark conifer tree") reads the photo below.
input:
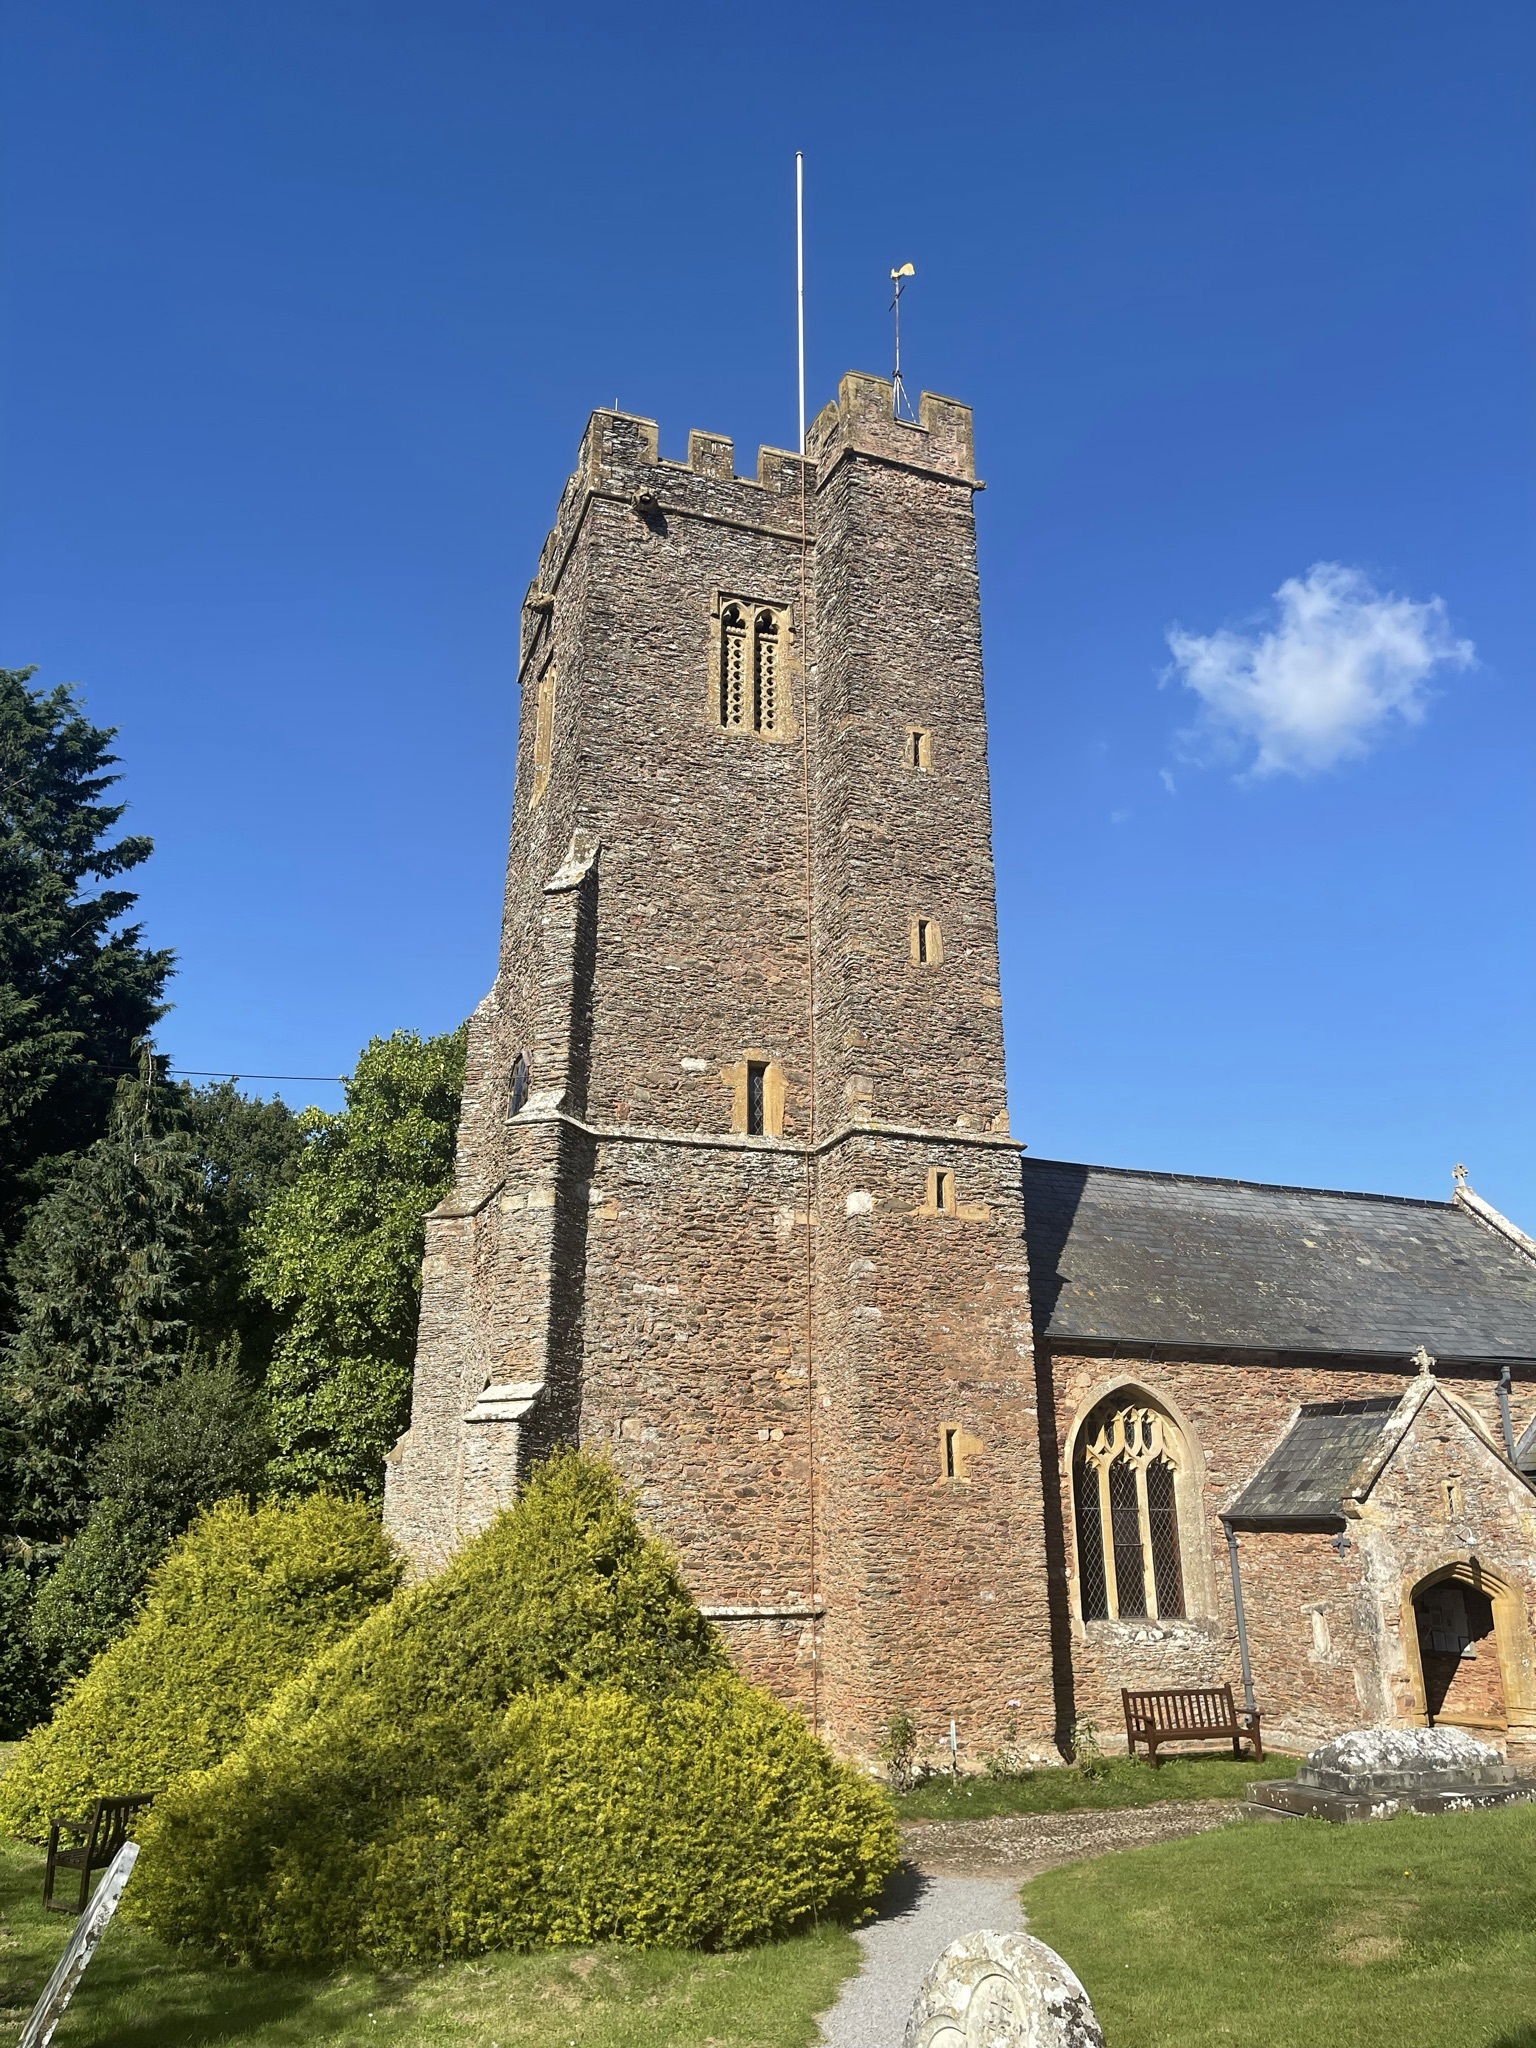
(176, 1448)
(78, 990)
(103, 1279)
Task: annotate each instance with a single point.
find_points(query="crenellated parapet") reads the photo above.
(861, 420)
(620, 460)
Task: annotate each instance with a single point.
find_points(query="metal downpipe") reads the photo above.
(1242, 1619)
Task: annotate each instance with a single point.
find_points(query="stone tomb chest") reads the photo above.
(1373, 1773)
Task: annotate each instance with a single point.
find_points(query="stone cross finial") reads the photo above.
(1460, 1173)
(1424, 1360)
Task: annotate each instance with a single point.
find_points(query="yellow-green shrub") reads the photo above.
(244, 1600)
(542, 1746)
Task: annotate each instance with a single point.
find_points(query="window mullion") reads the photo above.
(1144, 1524)
(1107, 1540)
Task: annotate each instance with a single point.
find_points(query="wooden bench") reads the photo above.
(1203, 1713)
(99, 1839)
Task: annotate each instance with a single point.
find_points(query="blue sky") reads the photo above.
(307, 305)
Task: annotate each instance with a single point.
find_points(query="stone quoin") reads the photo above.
(934, 1428)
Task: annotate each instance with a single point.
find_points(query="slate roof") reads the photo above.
(1307, 1474)
(1174, 1259)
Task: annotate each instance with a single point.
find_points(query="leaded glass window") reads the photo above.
(1125, 1475)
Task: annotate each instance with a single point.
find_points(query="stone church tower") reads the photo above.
(736, 1200)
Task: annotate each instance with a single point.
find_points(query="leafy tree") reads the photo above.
(102, 1285)
(246, 1152)
(76, 995)
(338, 1252)
(177, 1448)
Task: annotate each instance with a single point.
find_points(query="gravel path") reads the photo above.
(1023, 1843)
(965, 1874)
(922, 1915)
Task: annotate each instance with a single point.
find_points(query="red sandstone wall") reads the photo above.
(1323, 1626)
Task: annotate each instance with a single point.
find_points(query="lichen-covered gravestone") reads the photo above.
(1372, 1773)
(1001, 1991)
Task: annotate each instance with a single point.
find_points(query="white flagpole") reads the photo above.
(800, 281)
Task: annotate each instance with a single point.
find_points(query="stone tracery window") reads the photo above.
(1125, 1473)
(751, 683)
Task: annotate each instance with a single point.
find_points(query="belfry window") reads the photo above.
(751, 679)
(1125, 1474)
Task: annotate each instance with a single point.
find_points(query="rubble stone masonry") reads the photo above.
(736, 1200)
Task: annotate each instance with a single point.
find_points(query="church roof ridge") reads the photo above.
(1226, 1180)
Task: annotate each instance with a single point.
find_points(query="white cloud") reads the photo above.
(1342, 664)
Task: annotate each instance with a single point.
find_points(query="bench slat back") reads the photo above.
(1189, 1710)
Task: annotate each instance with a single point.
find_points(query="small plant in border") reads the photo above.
(898, 1751)
(1088, 1758)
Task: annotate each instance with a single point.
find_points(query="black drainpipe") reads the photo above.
(1504, 1415)
(1242, 1620)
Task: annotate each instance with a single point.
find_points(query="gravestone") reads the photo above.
(70, 1968)
(1372, 1773)
(1001, 1991)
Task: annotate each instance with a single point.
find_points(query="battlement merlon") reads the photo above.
(862, 421)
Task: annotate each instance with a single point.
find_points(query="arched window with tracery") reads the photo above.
(752, 684)
(733, 668)
(1125, 1482)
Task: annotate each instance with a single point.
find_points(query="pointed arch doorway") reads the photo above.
(1456, 1615)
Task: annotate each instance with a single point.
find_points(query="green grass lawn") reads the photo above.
(1124, 1782)
(1411, 1933)
(139, 1994)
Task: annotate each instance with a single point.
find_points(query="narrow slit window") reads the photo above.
(941, 1191)
(951, 1462)
(919, 749)
(543, 733)
(927, 942)
(757, 1098)
(517, 1094)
